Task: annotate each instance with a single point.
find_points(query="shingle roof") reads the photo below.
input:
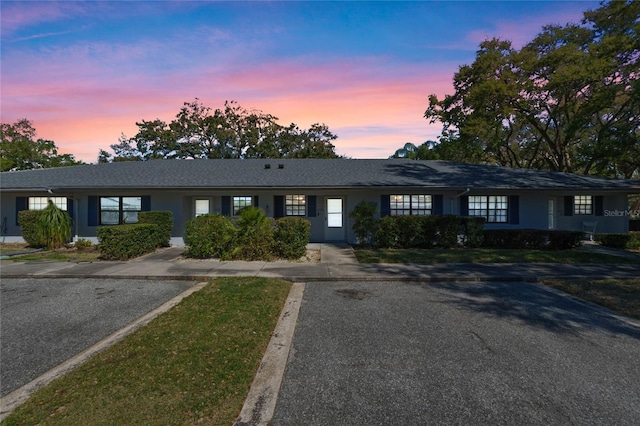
(300, 173)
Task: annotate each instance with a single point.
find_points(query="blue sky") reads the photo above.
(84, 72)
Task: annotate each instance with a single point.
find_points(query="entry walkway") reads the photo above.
(338, 262)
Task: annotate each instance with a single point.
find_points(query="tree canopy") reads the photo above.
(567, 101)
(20, 150)
(230, 132)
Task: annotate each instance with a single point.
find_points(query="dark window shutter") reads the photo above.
(311, 206)
(278, 206)
(145, 203)
(598, 202)
(92, 209)
(226, 205)
(438, 204)
(464, 205)
(70, 208)
(22, 203)
(385, 205)
(256, 201)
(568, 205)
(514, 209)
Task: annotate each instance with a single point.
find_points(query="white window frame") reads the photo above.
(583, 205)
(295, 205)
(125, 215)
(39, 203)
(415, 204)
(494, 208)
(199, 205)
(239, 202)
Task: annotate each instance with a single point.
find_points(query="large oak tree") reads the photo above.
(567, 101)
(21, 150)
(230, 132)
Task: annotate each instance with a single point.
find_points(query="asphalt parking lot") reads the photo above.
(44, 322)
(379, 353)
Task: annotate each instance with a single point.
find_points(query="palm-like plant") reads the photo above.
(53, 227)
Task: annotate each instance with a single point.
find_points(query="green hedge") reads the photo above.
(536, 239)
(123, 242)
(629, 241)
(563, 240)
(164, 220)
(252, 237)
(209, 235)
(515, 238)
(291, 235)
(428, 231)
(27, 220)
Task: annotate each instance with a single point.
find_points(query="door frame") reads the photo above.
(335, 233)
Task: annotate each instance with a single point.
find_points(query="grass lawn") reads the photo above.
(192, 365)
(483, 256)
(622, 296)
(13, 247)
(70, 254)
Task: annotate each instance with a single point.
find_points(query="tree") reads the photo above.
(20, 150)
(231, 132)
(567, 101)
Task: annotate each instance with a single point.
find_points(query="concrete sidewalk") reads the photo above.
(338, 262)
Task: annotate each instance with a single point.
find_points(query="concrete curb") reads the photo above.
(260, 404)
(12, 400)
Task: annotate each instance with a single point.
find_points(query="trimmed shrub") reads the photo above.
(364, 222)
(27, 220)
(254, 238)
(535, 239)
(473, 231)
(408, 231)
(209, 235)
(563, 240)
(613, 240)
(515, 238)
(428, 232)
(386, 234)
(123, 242)
(164, 220)
(448, 228)
(634, 241)
(291, 235)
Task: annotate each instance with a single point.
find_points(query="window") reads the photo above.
(39, 203)
(493, 208)
(202, 207)
(116, 210)
(582, 204)
(240, 203)
(295, 205)
(411, 205)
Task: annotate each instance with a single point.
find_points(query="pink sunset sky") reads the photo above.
(85, 72)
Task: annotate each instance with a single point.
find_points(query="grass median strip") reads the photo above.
(191, 365)
(622, 296)
(434, 256)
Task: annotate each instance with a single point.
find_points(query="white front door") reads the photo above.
(552, 213)
(334, 219)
